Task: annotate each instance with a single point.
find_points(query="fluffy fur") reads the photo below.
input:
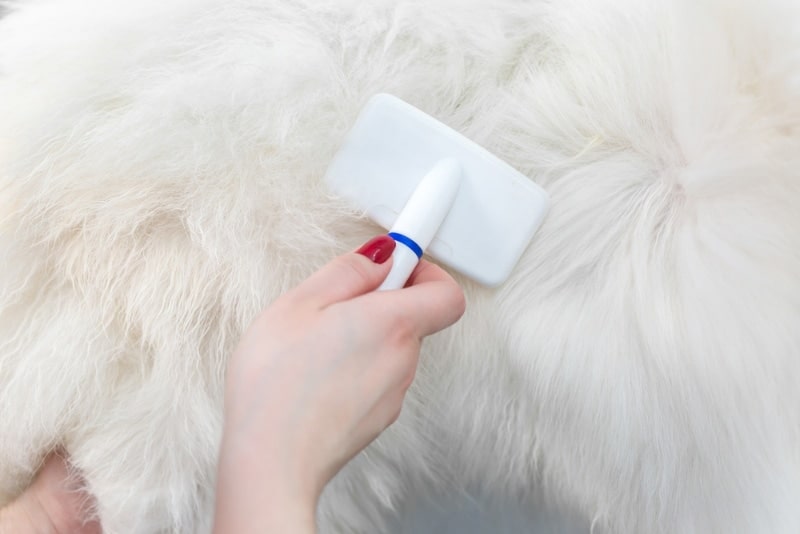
(160, 167)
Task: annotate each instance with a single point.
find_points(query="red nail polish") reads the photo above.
(378, 249)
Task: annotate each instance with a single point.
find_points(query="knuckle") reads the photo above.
(403, 356)
(404, 333)
(407, 368)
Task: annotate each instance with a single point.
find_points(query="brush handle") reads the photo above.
(421, 218)
(404, 260)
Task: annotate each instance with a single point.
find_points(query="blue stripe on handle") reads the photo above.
(407, 241)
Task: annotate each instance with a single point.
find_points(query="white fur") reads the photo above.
(160, 167)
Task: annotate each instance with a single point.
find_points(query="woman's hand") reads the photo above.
(317, 376)
(53, 504)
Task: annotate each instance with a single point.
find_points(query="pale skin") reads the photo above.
(53, 504)
(317, 376)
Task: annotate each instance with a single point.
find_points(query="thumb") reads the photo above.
(349, 275)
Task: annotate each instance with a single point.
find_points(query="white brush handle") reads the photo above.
(421, 218)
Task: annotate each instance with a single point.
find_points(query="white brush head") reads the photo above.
(496, 210)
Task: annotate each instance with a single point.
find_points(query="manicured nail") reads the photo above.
(378, 249)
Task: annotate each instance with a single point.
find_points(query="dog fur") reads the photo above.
(160, 166)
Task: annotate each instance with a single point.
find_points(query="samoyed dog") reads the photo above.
(160, 183)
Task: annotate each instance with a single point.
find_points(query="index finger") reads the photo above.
(431, 301)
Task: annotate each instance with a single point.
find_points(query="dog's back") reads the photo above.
(160, 168)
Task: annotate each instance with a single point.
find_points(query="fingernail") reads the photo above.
(378, 249)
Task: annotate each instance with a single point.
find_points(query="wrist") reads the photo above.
(271, 512)
(256, 493)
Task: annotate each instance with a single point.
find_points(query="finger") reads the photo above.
(349, 275)
(433, 297)
(433, 300)
(428, 272)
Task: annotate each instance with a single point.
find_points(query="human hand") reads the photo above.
(317, 376)
(53, 504)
